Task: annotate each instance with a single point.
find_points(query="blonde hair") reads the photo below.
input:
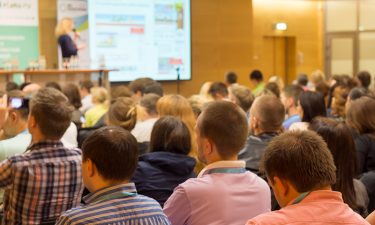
(122, 113)
(277, 80)
(99, 95)
(61, 27)
(179, 106)
(317, 77)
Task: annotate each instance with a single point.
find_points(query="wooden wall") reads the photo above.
(229, 35)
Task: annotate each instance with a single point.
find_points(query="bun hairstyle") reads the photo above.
(122, 113)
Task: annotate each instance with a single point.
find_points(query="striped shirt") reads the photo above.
(119, 204)
(41, 183)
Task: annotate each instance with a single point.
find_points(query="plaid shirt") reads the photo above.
(41, 183)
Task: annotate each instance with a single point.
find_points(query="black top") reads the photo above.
(365, 146)
(68, 47)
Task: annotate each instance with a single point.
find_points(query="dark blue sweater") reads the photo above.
(68, 48)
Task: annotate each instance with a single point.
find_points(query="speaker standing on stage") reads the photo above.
(63, 30)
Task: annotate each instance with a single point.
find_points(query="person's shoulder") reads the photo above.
(271, 218)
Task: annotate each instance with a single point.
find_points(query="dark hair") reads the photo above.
(114, 151)
(24, 110)
(154, 88)
(138, 85)
(302, 79)
(53, 84)
(225, 124)
(272, 88)
(10, 86)
(270, 112)
(256, 75)
(293, 91)
(52, 112)
(341, 144)
(170, 134)
(86, 84)
(72, 92)
(120, 91)
(360, 115)
(365, 78)
(302, 158)
(218, 88)
(357, 92)
(149, 101)
(243, 95)
(231, 77)
(312, 104)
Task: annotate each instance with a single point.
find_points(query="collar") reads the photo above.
(319, 196)
(109, 191)
(45, 144)
(223, 164)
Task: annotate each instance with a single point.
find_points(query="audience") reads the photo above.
(340, 95)
(86, 97)
(100, 101)
(303, 81)
(301, 170)
(120, 91)
(197, 102)
(241, 96)
(53, 84)
(168, 164)
(113, 200)
(123, 113)
(154, 88)
(46, 180)
(137, 87)
(218, 91)
(289, 98)
(71, 91)
(204, 91)
(317, 78)
(231, 79)
(363, 79)
(10, 86)
(277, 80)
(341, 144)
(256, 80)
(266, 118)
(224, 192)
(310, 105)
(272, 88)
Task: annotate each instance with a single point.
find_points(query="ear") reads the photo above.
(208, 146)
(90, 168)
(32, 121)
(290, 102)
(13, 116)
(254, 122)
(281, 185)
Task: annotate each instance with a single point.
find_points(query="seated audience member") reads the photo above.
(143, 127)
(303, 81)
(241, 96)
(71, 91)
(354, 94)
(109, 159)
(277, 80)
(100, 101)
(341, 144)
(10, 86)
(266, 118)
(154, 88)
(224, 192)
(363, 78)
(310, 105)
(30, 89)
(317, 78)
(218, 91)
(204, 90)
(300, 169)
(168, 164)
(137, 87)
(272, 88)
(86, 97)
(120, 91)
(361, 118)
(231, 79)
(289, 98)
(46, 180)
(256, 80)
(340, 96)
(122, 113)
(197, 102)
(53, 84)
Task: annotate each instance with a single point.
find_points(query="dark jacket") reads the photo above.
(365, 146)
(68, 48)
(158, 173)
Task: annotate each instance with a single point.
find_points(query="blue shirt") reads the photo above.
(292, 119)
(119, 204)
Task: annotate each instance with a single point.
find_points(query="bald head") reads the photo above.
(269, 113)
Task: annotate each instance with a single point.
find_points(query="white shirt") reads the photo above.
(142, 130)
(69, 138)
(86, 103)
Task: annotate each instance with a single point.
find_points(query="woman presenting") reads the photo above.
(63, 30)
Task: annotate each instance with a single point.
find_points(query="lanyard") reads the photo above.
(301, 197)
(226, 170)
(117, 195)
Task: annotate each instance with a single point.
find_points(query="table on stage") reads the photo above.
(60, 76)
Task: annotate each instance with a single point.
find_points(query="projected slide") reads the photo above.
(141, 38)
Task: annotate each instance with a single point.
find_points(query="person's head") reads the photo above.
(241, 96)
(120, 91)
(16, 120)
(99, 95)
(10, 86)
(296, 162)
(302, 80)
(197, 103)
(64, 26)
(340, 142)
(53, 84)
(204, 90)
(30, 89)
(85, 87)
(266, 115)
(109, 157)
(278, 80)
(256, 77)
(123, 113)
(340, 96)
(364, 79)
(290, 97)
(360, 115)
(71, 91)
(148, 103)
(354, 94)
(138, 85)
(311, 104)
(272, 88)
(154, 88)
(218, 91)
(221, 131)
(317, 77)
(170, 134)
(230, 78)
(50, 114)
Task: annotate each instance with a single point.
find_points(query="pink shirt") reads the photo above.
(317, 208)
(219, 197)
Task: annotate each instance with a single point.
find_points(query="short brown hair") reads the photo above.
(243, 95)
(139, 84)
(52, 112)
(123, 113)
(302, 158)
(270, 111)
(293, 91)
(86, 84)
(149, 101)
(225, 124)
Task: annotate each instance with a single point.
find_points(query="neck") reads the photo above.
(100, 184)
(292, 111)
(217, 159)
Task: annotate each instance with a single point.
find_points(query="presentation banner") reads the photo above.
(18, 33)
(77, 10)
